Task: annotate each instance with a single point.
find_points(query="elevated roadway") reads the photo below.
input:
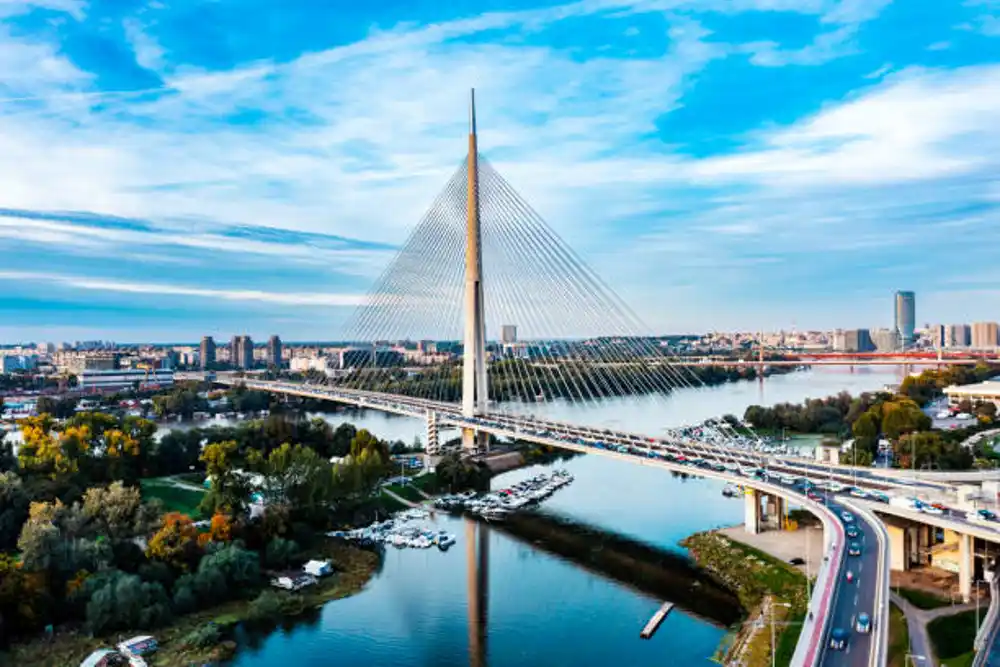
(680, 455)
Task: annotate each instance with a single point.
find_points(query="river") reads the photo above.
(538, 609)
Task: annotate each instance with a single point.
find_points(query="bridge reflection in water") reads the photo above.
(655, 573)
(477, 553)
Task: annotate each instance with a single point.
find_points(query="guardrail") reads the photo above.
(986, 636)
(817, 624)
(880, 609)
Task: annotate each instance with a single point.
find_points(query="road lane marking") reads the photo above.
(855, 602)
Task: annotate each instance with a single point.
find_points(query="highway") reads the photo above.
(851, 599)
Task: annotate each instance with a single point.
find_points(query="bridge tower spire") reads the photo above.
(475, 392)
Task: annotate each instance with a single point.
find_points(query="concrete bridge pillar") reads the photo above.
(433, 446)
(965, 566)
(752, 513)
(474, 442)
(898, 553)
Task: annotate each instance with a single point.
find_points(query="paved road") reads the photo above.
(854, 598)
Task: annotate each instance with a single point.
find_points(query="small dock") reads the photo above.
(656, 620)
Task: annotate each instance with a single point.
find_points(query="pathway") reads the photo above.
(401, 499)
(917, 620)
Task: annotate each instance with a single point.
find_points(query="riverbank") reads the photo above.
(354, 569)
(764, 586)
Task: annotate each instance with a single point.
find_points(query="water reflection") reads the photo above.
(477, 561)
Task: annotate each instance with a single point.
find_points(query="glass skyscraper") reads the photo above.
(905, 317)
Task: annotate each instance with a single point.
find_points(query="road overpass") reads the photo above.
(734, 466)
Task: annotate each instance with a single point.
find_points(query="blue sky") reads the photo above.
(174, 168)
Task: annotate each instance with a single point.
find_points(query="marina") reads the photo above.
(498, 504)
(405, 530)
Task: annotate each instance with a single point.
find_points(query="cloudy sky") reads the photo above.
(173, 168)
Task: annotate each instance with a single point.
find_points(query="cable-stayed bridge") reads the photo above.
(482, 258)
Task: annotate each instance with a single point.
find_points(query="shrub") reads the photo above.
(280, 552)
(267, 605)
(203, 637)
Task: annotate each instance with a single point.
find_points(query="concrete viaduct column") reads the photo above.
(965, 566)
(751, 515)
(433, 447)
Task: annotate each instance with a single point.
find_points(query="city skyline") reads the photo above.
(159, 185)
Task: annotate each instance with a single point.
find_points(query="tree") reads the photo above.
(60, 408)
(118, 511)
(987, 411)
(240, 568)
(49, 452)
(296, 476)
(120, 601)
(14, 504)
(903, 416)
(25, 604)
(41, 540)
(176, 543)
(280, 552)
(230, 490)
(220, 530)
(7, 459)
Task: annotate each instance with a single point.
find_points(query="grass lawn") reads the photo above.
(390, 504)
(923, 599)
(174, 498)
(899, 637)
(953, 637)
(789, 638)
(406, 491)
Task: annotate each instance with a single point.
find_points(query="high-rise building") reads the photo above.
(207, 352)
(938, 335)
(906, 317)
(885, 340)
(508, 334)
(985, 335)
(852, 340)
(958, 335)
(241, 352)
(274, 351)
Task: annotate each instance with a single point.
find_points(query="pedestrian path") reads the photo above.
(917, 620)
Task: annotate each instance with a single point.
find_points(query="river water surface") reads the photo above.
(493, 600)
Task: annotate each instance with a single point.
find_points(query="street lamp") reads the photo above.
(774, 650)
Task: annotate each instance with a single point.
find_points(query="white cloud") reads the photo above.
(128, 287)
(918, 125)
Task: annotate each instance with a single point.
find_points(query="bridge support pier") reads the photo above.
(965, 566)
(474, 442)
(751, 511)
(433, 447)
(775, 511)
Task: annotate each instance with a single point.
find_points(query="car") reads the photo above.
(858, 493)
(853, 533)
(863, 624)
(838, 639)
(847, 516)
(988, 515)
(850, 576)
(797, 561)
(854, 549)
(814, 496)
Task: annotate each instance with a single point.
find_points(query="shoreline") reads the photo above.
(356, 567)
(759, 580)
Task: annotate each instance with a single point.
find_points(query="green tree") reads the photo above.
(125, 602)
(14, 504)
(230, 491)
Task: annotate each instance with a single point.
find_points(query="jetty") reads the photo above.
(656, 620)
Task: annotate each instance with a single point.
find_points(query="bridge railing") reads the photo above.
(816, 627)
(986, 637)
